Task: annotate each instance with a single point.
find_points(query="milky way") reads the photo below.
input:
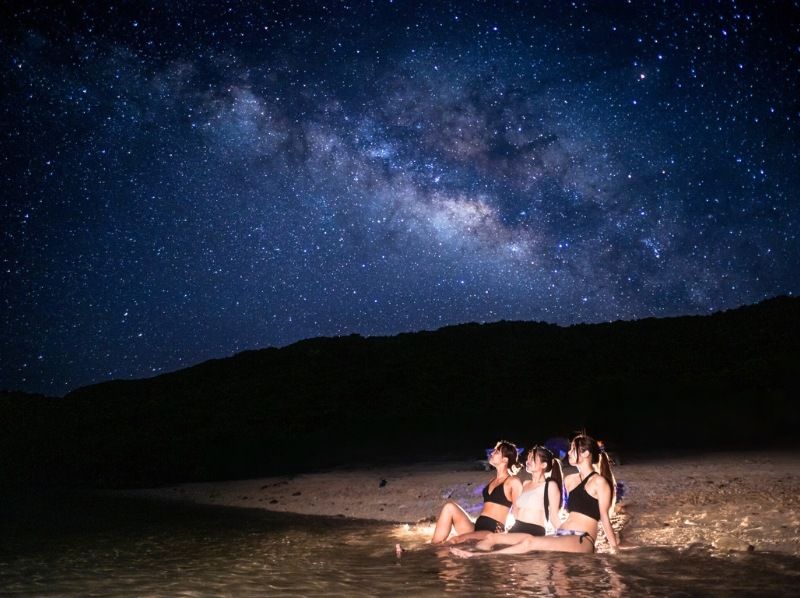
(183, 180)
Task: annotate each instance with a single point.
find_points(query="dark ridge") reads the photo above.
(726, 380)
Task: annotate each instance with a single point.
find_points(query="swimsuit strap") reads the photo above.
(500, 483)
(573, 532)
(547, 500)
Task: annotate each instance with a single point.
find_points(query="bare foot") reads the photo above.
(461, 553)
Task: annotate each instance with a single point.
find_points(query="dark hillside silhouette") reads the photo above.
(719, 381)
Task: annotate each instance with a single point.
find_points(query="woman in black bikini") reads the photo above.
(591, 495)
(498, 496)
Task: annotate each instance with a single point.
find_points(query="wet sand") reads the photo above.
(726, 501)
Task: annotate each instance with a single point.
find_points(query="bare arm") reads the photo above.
(604, 501)
(554, 498)
(513, 489)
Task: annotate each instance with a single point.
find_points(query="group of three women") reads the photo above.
(534, 504)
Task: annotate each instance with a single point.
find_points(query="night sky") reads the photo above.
(184, 180)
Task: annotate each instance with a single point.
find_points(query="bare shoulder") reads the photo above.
(572, 480)
(513, 481)
(597, 483)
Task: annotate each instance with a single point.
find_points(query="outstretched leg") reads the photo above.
(532, 543)
(469, 536)
(504, 539)
(451, 516)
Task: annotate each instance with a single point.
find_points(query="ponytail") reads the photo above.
(605, 471)
(557, 475)
(553, 468)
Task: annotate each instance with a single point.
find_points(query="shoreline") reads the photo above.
(733, 501)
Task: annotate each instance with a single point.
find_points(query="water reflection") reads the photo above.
(535, 574)
(88, 545)
(554, 577)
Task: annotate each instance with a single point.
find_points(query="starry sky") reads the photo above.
(186, 180)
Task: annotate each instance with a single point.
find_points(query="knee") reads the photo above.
(447, 509)
(450, 506)
(528, 543)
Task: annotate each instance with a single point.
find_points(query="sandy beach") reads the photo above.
(726, 501)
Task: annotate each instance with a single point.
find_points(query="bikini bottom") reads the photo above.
(521, 527)
(487, 524)
(574, 532)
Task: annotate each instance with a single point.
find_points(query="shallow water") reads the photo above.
(98, 546)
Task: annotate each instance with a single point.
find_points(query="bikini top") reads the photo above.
(497, 496)
(582, 502)
(528, 497)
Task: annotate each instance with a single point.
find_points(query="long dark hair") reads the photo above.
(553, 467)
(509, 451)
(583, 442)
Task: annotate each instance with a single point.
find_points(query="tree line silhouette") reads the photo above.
(719, 381)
